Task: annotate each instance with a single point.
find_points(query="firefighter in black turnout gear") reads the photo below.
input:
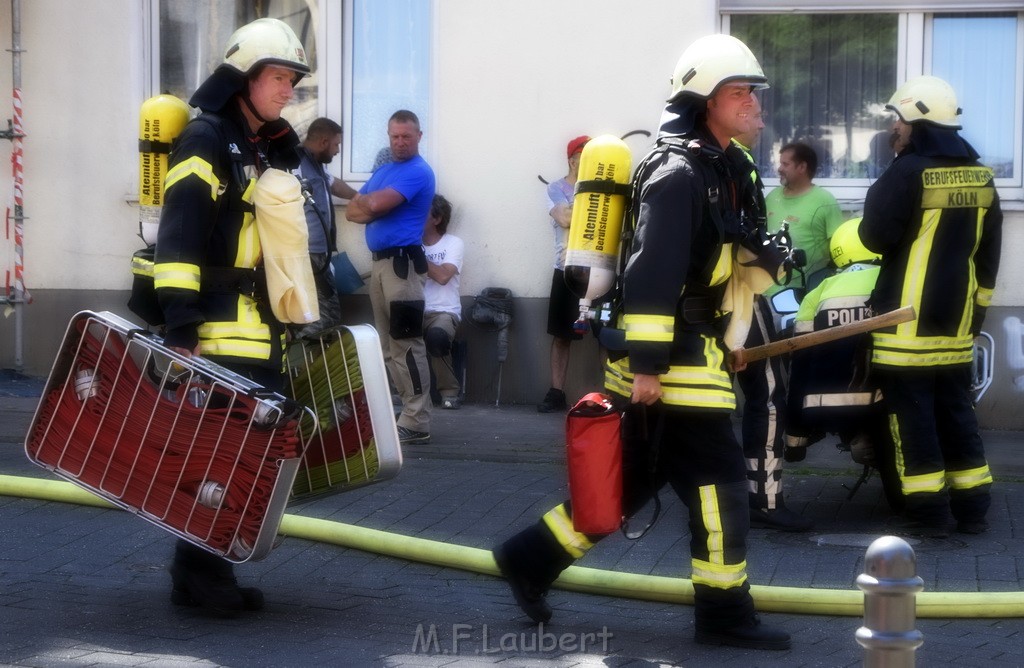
(207, 268)
(691, 201)
(934, 217)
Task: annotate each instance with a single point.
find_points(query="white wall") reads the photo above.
(81, 94)
(512, 84)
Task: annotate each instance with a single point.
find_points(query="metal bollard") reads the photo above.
(890, 584)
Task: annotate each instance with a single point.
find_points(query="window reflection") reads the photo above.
(984, 82)
(830, 75)
(193, 34)
(390, 71)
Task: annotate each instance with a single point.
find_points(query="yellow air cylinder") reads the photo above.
(602, 193)
(161, 120)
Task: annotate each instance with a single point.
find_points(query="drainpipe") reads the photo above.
(14, 133)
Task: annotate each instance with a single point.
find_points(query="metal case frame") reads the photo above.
(184, 443)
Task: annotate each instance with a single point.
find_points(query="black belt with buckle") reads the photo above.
(398, 251)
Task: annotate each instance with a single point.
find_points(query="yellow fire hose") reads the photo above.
(795, 600)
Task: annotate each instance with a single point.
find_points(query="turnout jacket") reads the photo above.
(934, 216)
(691, 203)
(207, 246)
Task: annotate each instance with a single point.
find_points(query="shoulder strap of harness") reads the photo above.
(216, 122)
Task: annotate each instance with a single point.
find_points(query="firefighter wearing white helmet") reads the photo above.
(207, 268)
(670, 372)
(928, 99)
(830, 389)
(934, 217)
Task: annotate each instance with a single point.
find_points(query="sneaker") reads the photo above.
(452, 404)
(752, 635)
(529, 597)
(407, 436)
(554, 402)
(780, 519)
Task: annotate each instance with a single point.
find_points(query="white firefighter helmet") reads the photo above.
(266, 42)
(846, 246)
(714, 60)
(928, 99)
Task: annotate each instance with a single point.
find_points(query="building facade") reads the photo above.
(500, 89)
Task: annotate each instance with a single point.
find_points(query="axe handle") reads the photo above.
(743, 356)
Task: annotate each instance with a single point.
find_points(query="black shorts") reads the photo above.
(563, 309)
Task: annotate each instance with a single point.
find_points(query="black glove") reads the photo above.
(978, 319)
(186, 336)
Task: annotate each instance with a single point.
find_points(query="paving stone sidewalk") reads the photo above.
(88, 586)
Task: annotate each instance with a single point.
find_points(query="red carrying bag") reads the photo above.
(594, 456)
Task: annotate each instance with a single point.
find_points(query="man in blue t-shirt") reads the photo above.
(394, 205)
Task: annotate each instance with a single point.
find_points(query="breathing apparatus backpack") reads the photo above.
(748, 231)
(154, 151)
(161, 119)
(600, 201)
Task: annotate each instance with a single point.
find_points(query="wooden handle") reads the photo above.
(744, 356)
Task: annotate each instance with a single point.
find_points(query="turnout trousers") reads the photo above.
(699, 457)
(939, 454)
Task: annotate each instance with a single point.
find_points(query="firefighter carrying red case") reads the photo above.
(594, 455)
(182, 442)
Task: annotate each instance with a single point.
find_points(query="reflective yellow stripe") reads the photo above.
(699, 398)
(176, 275)
(711, 517)
(972, 286)
(896, 350)
(249, 246)
(921, 343)
(691, 386)
(904, 358)
(715, 572)
(983, 297)
(925, 482)
(917, 269)
(692, 375)
(238, 330)
(719, 576)
(615, 382)
(915, 484)
(193, 166)
(142, 267)
(970, 478)
(259, 350)
(894, 431)
(560, 524)
(649, 327)
(723, 266)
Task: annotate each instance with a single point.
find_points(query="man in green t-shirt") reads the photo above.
(813, 215)
(811, 211)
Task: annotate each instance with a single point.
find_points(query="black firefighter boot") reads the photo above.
(530, 561)
(727, 617)
(202, 579)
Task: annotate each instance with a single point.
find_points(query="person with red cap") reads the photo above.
(563, 306)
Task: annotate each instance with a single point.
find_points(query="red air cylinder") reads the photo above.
(594, 456)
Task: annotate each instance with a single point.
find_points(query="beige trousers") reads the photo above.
(406, 358)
